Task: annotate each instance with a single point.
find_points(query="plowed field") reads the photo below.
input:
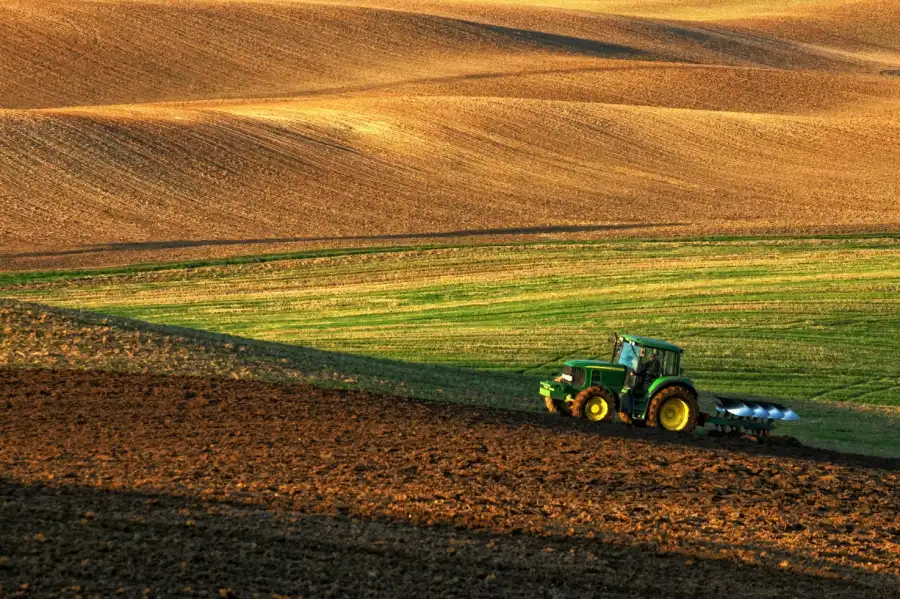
(185, 486)
(152, 131)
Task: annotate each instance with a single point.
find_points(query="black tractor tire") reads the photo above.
(577, 407)
(689, 399)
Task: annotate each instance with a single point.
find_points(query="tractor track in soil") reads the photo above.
(186, 486)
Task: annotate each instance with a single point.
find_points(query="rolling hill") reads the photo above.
(146, 131)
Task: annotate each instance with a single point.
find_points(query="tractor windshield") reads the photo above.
(628, 354)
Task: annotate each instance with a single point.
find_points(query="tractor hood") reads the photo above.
(592, 364)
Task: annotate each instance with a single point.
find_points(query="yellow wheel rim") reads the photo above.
(674, 414)
(596, 409)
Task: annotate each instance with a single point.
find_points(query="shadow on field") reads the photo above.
(500, 397)
(739, 46)
(56, 538)
(192, 243)
(552, 41)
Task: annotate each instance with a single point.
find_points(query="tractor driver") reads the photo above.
(648, 371)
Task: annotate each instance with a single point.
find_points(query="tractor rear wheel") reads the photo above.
(674, 409)
(594, 403)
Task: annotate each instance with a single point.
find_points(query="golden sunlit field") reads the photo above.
(148, 131)
(288, 288)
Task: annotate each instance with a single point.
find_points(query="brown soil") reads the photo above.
(184, 486)
(155, 131)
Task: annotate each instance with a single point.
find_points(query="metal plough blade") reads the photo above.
(779, 412)
(755, 409)
(786, 413)
(758, 410)
(733, 406)
(775, 413)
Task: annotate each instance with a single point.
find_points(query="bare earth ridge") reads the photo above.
(151, 131)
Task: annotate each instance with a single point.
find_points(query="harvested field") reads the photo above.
(200, 487)
(149, 131)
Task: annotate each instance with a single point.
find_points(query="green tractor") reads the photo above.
(644, 384)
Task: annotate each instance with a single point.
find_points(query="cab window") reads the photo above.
(628, 355)
(668, 361)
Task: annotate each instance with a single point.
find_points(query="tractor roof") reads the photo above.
(651, 342)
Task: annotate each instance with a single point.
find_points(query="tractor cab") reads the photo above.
(632, 352)
(645, 359)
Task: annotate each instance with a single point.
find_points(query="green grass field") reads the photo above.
(798, 319)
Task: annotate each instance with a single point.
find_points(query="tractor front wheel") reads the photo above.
(552, 406)
(674, 409)
(594, 403)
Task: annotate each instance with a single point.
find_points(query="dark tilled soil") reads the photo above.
(126, 485)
